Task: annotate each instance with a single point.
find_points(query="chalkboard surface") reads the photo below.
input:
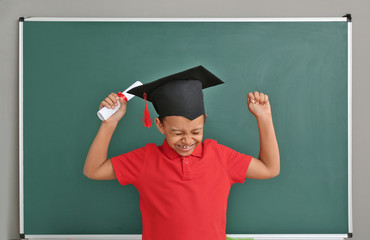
(69, 67)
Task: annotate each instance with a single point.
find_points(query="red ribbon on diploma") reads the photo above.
(119, 94)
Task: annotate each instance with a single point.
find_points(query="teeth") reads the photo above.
(185, 147)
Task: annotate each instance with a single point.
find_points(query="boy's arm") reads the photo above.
(96, 165)
(268, 164)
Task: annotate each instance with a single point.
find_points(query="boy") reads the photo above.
(184, 183)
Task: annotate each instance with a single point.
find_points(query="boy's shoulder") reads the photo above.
(145, 148)
(209, 142)
(150, 146)
(214, 143)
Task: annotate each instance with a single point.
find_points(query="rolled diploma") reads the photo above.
(105, 113)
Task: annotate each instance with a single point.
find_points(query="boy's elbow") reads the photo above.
(87, 174)
(272, 175)
(277, 169)
(276, 173)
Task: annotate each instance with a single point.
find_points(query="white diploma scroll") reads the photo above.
(105, 113)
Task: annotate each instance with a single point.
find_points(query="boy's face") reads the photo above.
(183, 135)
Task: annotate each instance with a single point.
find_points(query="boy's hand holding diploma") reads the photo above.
(114, 106)
(111, 102)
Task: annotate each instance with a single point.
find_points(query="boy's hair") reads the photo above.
(161, 119)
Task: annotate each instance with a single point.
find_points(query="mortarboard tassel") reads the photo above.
(146, 118)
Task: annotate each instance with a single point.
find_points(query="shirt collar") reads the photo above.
(172, 154)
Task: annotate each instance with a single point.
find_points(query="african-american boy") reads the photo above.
(184, 183)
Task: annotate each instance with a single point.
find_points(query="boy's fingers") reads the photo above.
(250, 98)
(262, 98)
(109, 101)
(121, 100)
(113, 97)
(257, 96)
(266, 98)
(104, 104)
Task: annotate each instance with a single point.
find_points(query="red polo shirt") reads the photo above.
(182, 198)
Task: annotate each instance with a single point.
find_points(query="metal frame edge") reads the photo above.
(20, 66)
(350, 217)
(263, 236)
(102, 19)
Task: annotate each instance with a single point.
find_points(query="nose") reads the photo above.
(186, 140)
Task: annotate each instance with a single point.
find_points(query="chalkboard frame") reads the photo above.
(346, 18)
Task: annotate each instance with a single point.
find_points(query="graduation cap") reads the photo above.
(179, 94)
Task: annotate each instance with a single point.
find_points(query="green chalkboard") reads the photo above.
(70, 67)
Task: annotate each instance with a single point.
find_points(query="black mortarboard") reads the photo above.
(179, 94)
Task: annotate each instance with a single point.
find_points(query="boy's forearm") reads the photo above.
(99, 148)
(269, 150)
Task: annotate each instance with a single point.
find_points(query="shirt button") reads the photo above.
(186, 162)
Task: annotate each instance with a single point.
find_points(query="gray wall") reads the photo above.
(11, 10)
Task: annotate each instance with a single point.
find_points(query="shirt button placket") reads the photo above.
(185, 168)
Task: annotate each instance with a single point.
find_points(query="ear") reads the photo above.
(159, 125)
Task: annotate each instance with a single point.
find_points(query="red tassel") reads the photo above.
(146, 118)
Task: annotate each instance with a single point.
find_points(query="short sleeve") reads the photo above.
(128, 166)
(236, 163)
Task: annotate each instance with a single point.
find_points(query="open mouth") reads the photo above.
(185, 148)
